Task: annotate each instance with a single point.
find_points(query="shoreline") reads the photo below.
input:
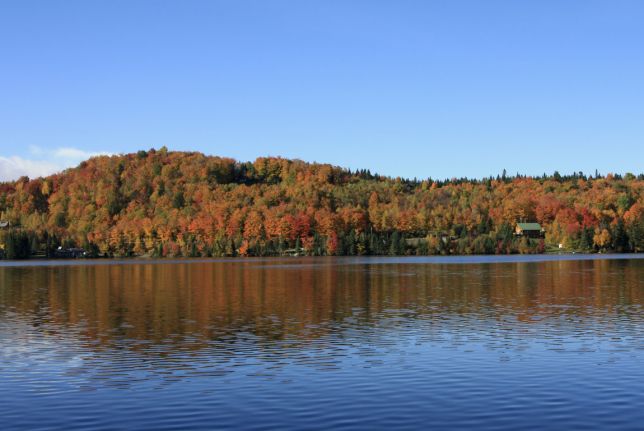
(329, 260)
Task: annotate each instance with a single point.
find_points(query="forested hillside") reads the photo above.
(161, 203)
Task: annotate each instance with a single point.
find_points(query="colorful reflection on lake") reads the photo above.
(365, 343)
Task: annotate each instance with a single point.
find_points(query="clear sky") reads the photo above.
(404, 88)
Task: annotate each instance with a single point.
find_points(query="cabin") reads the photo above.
(530, 230)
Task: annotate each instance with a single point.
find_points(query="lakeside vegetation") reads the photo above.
(161, 203)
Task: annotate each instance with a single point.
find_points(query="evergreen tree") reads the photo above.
(397, 244)
(351, 243)
(586, 239)
(620, 238)
(17, 245)
(636, 236)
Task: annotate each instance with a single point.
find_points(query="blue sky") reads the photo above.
(404, 88)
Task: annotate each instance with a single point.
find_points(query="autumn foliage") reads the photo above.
(161, 203)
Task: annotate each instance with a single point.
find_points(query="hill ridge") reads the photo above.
(164, 203)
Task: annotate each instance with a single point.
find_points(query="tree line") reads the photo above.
(162, 203)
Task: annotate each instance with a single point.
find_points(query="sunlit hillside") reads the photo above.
(160, 203)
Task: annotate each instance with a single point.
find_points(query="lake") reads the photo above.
(518, 342)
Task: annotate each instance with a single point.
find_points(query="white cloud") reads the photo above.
(12, 168)
(76, 154)
(44, 162)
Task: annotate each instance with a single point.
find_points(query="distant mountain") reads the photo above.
(161, 203)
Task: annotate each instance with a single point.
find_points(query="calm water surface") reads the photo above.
(382, 343)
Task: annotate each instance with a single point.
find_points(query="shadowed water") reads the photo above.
(365, 343)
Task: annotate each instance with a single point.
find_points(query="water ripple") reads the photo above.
(373, 344)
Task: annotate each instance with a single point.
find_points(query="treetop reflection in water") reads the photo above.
(350, 342)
